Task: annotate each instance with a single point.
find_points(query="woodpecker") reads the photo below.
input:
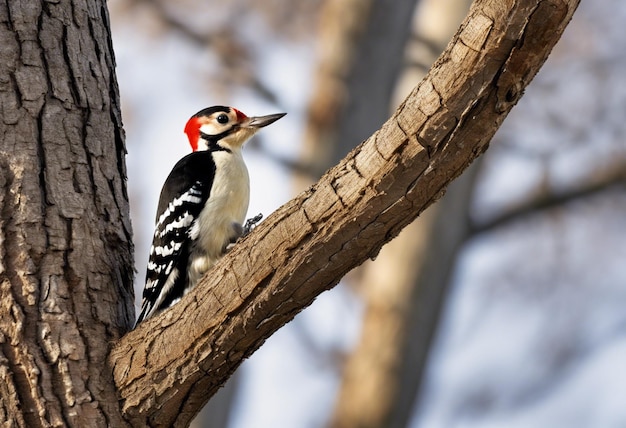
(202, 206)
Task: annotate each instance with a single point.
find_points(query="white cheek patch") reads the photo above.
(214, 128)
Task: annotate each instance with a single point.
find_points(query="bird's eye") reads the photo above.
(222, 118)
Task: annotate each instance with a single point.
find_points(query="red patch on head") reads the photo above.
(192, 129)
(240, 115)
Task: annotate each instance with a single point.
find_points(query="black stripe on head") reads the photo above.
(214, 139)
(210, 110)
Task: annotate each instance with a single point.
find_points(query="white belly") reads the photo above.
(221, 219)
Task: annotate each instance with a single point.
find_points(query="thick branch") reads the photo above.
(167, 368)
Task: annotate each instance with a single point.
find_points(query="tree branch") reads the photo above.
(168, 368)
(546, 199)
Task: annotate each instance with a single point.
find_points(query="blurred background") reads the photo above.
(501, 306)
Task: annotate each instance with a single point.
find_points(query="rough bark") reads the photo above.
(168, 368)
(65, 236)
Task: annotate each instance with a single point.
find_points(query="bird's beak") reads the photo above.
(261, 121)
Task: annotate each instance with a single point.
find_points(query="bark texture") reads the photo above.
(65, 236)
(168, 368)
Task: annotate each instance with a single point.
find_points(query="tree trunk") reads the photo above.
(65, 236)
(171, 364)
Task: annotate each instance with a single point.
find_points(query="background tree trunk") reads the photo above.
(354, 79)
(66, 252)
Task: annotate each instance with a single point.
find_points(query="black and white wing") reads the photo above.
(182, 198)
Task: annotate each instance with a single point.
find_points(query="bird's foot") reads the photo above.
(251, 224)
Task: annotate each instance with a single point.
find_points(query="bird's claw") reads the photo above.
(251, 224)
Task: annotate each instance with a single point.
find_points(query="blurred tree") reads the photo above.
(532, 320)
(360, 55)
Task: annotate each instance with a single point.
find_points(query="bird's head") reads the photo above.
(224, 126)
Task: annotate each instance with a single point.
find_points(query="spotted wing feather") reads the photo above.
(183, 196)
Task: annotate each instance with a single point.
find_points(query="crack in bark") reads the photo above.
(73, 86)
(28, 395)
